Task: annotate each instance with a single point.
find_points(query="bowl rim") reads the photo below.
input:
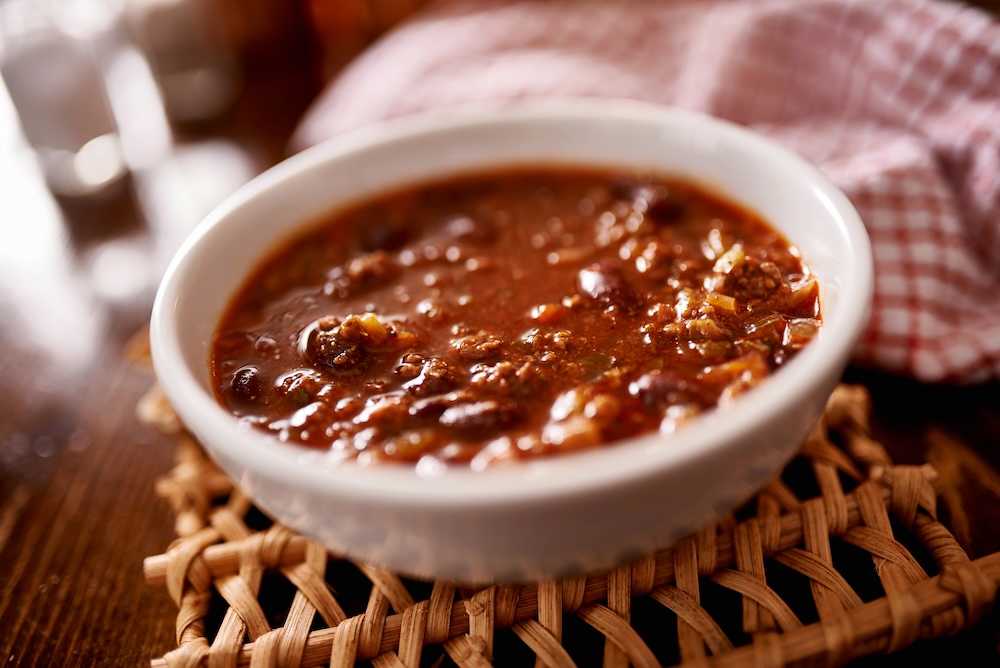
(709, 435)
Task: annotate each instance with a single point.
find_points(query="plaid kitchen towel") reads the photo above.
(897, 101)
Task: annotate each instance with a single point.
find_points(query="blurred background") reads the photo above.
(122, 123)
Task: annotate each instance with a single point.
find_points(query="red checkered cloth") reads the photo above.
(897, 101)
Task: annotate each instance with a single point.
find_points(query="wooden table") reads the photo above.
(77, 510)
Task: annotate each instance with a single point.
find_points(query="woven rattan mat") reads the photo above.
(840, 557)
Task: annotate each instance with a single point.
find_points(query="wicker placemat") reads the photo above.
(840, 557)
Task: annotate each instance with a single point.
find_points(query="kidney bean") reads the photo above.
(480, 417)
(605, 283)
(246, 384)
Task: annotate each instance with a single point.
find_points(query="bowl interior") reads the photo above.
(742, 166)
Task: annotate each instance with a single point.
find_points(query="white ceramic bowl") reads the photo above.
(547, 517)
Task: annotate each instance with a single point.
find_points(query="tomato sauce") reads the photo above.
(512, 314)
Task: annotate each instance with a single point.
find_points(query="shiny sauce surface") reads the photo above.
(512, 314)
